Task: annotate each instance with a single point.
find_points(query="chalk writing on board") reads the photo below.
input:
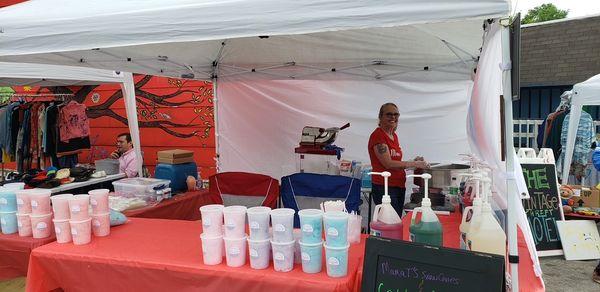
(416, 273)
(543, 206)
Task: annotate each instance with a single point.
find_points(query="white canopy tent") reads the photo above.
(279, 65)
(27, 74)
(584, 93)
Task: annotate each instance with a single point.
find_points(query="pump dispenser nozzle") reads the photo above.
(426, 177)
(386, 174)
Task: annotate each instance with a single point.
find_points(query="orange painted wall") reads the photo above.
(172, 113)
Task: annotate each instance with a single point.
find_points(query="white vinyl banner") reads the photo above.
(260, 121)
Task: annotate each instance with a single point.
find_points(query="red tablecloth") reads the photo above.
(180, 207)
(451, 223)
(14, 254)
(165, 255)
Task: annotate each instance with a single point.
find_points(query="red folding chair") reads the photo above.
(242, 188)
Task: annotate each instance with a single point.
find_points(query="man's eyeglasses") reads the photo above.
(392, 115)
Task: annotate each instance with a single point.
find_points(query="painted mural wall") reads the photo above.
(172, 114)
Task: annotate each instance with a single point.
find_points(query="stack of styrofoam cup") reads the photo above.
(259, 246)
(80, 220)
(336, 243)
(100, 212)
(282, 243)
(235, 235)
(311, 243)
(41, 213)
(8, 211)
(62, 228)
(212, 234)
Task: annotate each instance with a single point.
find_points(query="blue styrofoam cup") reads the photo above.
(311, 224)
(336, 260)
(8, 200)
(8, 222)
(312, 257)
(336, 228)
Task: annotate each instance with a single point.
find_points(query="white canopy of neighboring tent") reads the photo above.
(28, 74)
(584, 93)
(279, 65)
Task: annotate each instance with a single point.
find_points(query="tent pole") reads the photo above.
(511, 226)
(128, 88)
(216, 120)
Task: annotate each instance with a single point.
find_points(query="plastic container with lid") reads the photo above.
(141, 187)
(386, 221)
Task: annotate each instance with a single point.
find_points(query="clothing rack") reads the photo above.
(51, 96)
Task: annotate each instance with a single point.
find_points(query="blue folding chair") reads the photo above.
(308, 190)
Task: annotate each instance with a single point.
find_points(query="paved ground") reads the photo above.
(562, 275)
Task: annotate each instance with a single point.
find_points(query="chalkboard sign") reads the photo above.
(544, 207)
(401, 266)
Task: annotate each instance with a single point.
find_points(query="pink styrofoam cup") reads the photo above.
(235, 221)
(40, 202)
(81, 231)
(60, 206)
(41, 225)
(99, 201)
(212, 219)
(23, 201)
(24, 225)
(79, 207)
(101, 224)
(235, 251)
(212, 249)
(62, 229)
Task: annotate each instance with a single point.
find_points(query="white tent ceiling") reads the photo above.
(177, 38)
(18, 74)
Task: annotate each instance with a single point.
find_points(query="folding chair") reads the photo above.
(242, 188)
(308, 190)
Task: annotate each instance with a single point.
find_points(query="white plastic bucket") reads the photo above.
(336, 260)
(312, 257)
(40, 202)
(311, 224)
(212, 220)
(212, 249)
(101, 224)
(282, 221)
(235, 251)
(62, 229)
(23, 201)
(79, 208)
(24, 225)
(99, 201)
(336, 228)
(41, 225)
(258, 222)
(81, 231)
(235, 221)
(283, 256)
(259, 252)
(60, 206)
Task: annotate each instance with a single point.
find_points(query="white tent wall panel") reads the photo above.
(260, 121)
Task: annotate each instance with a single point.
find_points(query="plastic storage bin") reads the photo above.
(141, 187)
(176, 173)
(110, 166)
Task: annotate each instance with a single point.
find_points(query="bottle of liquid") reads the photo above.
(487, 236)
(386, 221)
(428, 230)
(470, 213)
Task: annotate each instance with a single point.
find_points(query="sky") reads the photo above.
(576, 8)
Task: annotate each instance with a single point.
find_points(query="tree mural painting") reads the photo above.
(182, 109)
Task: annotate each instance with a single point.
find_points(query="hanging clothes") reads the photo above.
(73, 121)
(583, 143)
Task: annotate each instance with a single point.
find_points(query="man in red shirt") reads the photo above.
(386, 155)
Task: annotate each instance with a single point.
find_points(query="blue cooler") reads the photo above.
(177, 174)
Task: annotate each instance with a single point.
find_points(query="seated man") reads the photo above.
(126, 155)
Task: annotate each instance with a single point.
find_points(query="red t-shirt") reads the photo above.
(398, 178)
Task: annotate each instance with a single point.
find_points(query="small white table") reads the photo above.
(91, 181)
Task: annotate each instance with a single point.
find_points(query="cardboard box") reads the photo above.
(175, 156)
(591, 198)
